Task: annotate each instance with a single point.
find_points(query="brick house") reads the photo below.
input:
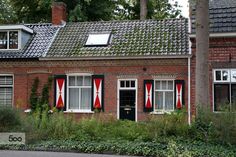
(130, 69)
(222, 56)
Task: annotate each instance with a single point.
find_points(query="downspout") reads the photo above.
(189, 93)
(189, 67)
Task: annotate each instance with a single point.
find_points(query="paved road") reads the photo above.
(4, 153)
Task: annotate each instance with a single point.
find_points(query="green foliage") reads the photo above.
(9, 119)
(34, 95)
(215, 127)
(37, 101)
(7, 14)
(31, 11)
(157, 9)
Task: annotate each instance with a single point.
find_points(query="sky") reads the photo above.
(184, 8)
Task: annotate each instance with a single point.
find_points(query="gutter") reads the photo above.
(216, 35)
(114, 58)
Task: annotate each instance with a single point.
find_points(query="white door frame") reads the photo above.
(130, 88)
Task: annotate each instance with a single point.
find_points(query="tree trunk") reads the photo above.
(202, 54)
(143, 9)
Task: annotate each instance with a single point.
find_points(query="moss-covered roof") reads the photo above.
(129, 38)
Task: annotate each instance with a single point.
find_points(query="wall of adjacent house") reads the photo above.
(222, 54)
(26, 71)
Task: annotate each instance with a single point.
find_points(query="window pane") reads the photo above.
(132, 83)
(122, 83)
(79, 81)
(6, 96)
(233, 98)
(85, 99)
(13, 40)
(163, 84)
(170, 85)
(3, 40)
(98, 39)
(225, 75)
(72, 81)
(218, 75)
(169, 101)
(87, 81)
(221, 94)
(74, 98)
(159, 100)
(158, 85)
(233, 75)
(127, 83)
(6, 80)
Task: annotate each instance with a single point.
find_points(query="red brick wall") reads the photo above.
(58, 12)
(222, 54)
(26, 72)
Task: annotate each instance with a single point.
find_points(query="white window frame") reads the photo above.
(12, 86)
(221, 70)
(67, 95)
(89, 41)
(228, 82)
(8, 40)
(162, 111)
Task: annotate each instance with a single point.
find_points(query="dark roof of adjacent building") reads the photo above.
(222, 16)
(37, 46)
(129, 38)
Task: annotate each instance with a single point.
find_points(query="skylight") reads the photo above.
(98, 39)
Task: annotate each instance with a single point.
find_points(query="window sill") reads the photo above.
(161, 112)
(78, 111)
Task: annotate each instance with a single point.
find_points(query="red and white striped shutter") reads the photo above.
(148, 95)
(97, 92)
(179, 93)
(60, 91)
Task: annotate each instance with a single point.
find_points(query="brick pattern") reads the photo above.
(26, 72)
(58, 13)
(222, 54)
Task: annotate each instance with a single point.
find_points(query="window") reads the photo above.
(9, 40)
(224, 89)
(102, 39)
(79, 93)
(6, 90)
(164, 95)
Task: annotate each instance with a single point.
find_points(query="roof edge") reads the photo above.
(22, 27)
(114, 58)
(227, 34)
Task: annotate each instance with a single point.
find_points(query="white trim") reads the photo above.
(131, 88)
(221, 80)
(189, 92)
(67, 93)
(216, 35)
(78, 111)
(8, 40)
(165, 90)
(15, 27)
(118, 57)
(13, 82)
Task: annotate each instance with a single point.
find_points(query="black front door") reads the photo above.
(127, 104)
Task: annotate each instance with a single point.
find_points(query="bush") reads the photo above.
(215, 127)
(9, 119)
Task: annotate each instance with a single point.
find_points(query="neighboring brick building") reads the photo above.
(222, 56)
(130, 69)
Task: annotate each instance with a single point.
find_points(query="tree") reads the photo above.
(143, 9)
(30, 11)
(157, 9)
(7, 14)
(93, 10)
(202, 52)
